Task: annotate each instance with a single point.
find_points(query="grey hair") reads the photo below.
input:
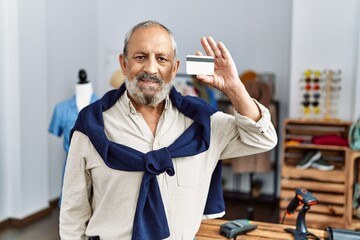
(147, 24)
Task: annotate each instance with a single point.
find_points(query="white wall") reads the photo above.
(356, 93)
(33, 104)
(71, 45)
(10, 120)
(3, 163)
(24, 190)
(325, 34)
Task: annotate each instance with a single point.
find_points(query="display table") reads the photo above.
(209, 229)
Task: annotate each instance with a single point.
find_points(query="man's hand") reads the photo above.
(226, 78)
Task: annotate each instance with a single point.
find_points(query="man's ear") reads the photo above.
(122, 61)
(175, 69)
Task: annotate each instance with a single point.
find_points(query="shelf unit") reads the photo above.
(353, 222)
(331, 188)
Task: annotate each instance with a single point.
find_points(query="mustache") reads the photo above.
(151, 77)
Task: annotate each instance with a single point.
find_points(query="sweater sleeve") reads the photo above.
(75, 208)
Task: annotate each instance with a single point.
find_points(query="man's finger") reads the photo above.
(198, 53)
(207, 47)
(214, 47)
(225, 52)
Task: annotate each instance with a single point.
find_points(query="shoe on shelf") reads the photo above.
(309, 157)
(322, 164)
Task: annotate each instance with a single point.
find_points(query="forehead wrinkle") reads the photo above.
(158, 48)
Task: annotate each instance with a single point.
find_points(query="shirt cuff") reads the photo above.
(248, 124)
(214, 215)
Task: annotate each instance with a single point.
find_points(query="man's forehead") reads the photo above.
(154, 36)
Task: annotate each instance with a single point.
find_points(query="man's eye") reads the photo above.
(162, 59)
(140, 57)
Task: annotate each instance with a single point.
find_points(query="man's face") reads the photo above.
(149, 66)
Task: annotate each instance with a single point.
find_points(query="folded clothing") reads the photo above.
(330, 140)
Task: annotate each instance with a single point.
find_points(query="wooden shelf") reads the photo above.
(315, 146)
(353, 165)
(314, 174)
(318, 122)
(331, 188)
(335, 187)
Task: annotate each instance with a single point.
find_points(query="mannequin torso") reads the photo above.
(83, 90)
(83, 93)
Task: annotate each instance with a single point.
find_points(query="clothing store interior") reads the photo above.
(300, 59)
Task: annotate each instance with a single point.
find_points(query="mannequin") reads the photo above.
(83, 90)
(65, 112)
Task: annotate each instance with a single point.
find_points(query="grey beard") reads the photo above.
(140, 94)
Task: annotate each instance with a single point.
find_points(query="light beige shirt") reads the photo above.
(101, 201)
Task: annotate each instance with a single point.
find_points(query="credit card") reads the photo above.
(199, 65)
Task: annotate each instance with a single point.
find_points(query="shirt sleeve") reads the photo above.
(55, 124)
(75, 208)
(246, 136)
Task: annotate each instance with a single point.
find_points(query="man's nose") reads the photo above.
(151, 66)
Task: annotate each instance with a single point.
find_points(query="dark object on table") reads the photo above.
(237, 227)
